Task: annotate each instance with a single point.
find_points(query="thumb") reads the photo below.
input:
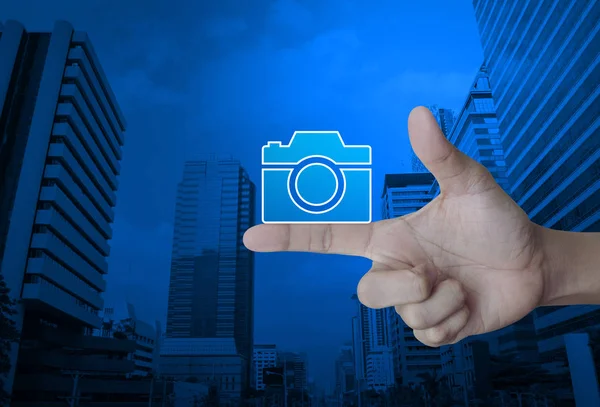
(455, 172)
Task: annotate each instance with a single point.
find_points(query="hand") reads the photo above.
(467, 263)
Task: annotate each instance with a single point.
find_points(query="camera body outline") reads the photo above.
(350, 165)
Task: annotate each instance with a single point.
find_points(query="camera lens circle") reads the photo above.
(335, 198)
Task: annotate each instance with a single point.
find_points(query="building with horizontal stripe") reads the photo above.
(62, 132)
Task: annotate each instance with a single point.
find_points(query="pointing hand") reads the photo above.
(467, 263)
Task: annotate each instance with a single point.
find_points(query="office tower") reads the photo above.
(372, 347)
(373, 329)
(380, 369)
(476, 131)
(296, 369)
(345, 377)
(542, 59)
(466, 368)
(211, 293)
(404, 194)
(264, 356)
(62, 133)
(445, 118)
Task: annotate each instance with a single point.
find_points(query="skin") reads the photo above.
(468, 263)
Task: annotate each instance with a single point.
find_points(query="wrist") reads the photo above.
(570, 267)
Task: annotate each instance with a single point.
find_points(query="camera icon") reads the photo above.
(316, 178)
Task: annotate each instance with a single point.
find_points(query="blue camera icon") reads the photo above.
(316, 178)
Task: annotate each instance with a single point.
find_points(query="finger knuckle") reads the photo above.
(422, 286)
(413, 316)
(438, 335)
(456, 288)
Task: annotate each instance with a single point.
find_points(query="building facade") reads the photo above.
(295, 366)
(213, 362)
(466, 368)
(62, 133)
(476, 132)
(404, 194)
(543, 68)
(542, 59)
(211, 293)
(121, 321)
(265, 356)
(372, 348)
(345, 377)
(380, 369)
(445, 118)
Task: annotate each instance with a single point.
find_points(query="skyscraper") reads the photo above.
(542, 59)
(476, 131)
(404, 194)
(445, 118)
(211, 293)
(61, 134)
(374, 352)
(345, 377)
(264, 356)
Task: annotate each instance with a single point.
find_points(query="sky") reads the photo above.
(198, 77)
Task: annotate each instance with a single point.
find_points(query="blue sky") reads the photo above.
(197, 77)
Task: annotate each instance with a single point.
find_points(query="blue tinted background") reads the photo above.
(195, 77)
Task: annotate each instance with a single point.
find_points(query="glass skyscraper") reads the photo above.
(542, 58)
(211, 293)
(544, 66)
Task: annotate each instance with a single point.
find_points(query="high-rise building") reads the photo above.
(476, 131)
(372, 348)
(345, 377)
(380, 369)
(466, 368)
(61, 134)
(296, 369)
(543, 67)
(445, 118)
(404, 194)
(542, 60)
(121, 321)
(211, 293)
(265, 356)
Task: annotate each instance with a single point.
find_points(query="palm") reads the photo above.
(485, 241)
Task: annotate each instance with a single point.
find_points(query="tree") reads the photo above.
(9, 334)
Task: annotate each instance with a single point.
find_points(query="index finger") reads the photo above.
(352, 240)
